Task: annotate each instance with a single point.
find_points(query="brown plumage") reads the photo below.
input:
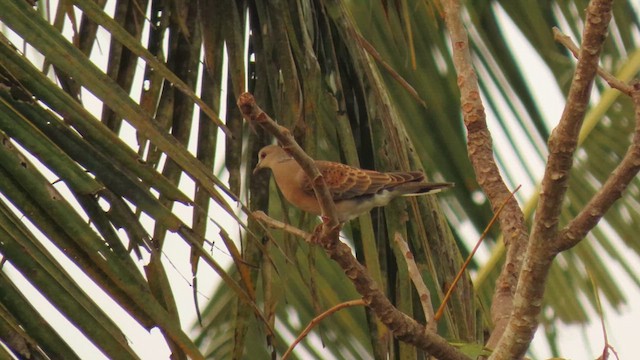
(354, 191)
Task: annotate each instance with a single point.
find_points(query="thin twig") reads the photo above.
(480, 150)
(315, 321)
(468, 260)
(563, 141)
(275, 224)
(418, 282)
(615, 353)
(596, 295)
(613, 81)
(394, 74)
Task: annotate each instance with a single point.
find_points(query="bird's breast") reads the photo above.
(288, 180)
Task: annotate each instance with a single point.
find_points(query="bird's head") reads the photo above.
(269, 156)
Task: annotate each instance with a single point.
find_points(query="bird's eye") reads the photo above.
(262, 155)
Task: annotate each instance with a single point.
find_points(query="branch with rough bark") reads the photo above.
(403, 327)
(611, 190)
(545, 242)
(480, 150)
(520, 288)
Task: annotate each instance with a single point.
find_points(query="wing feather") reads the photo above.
(346, 182)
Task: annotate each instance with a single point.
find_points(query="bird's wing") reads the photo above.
(346, 182)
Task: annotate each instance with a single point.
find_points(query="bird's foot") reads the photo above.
(316, 234)
(319, 231)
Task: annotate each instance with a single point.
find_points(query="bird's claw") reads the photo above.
(316, 234)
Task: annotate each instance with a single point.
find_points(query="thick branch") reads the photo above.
(564, 138)
(480, 149)
(611, 191)
(402, 326)
(563, 141)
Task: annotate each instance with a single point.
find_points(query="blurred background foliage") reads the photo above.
(120, 136)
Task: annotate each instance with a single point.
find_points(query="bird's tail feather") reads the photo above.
(418, 189)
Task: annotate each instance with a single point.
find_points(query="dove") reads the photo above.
(354, 191)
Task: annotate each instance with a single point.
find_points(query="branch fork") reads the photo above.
(520, 288)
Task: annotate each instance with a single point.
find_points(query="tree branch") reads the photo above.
(447, 296)
(564, 138)
(403, 327)
(275, 224)
(607, 76)
(480, 149)
(418, 282)
(610, 192)
(562, 143)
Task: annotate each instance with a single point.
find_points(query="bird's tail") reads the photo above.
(423, 188)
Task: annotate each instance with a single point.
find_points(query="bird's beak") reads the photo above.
(257, 168)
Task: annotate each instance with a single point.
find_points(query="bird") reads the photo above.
(354, 191)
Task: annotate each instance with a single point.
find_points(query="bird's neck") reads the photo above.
(284, 172)
(285, 167)
(285, 159)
